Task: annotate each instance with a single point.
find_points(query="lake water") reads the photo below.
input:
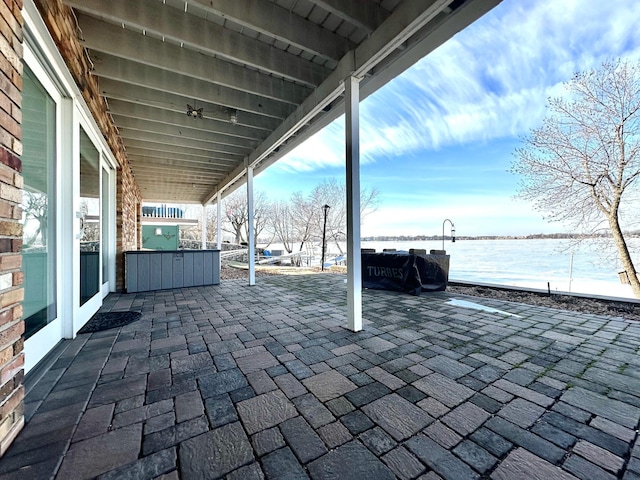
(527, 263)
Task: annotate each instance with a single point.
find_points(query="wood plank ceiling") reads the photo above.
(199, 89)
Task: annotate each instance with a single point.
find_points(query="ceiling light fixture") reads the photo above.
(194, 112)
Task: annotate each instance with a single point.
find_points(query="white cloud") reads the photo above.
(490, 81)
(324, 149)
(493, 80)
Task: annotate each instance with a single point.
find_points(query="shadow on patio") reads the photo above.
(252, 382)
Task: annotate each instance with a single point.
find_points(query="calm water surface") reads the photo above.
(523, 263)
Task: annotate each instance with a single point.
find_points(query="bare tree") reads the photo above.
(309, 214)
(236, 210)
(262, 215)
(579, 165)
(303, 217)
(329, 192)
(211, 214)
(236, 213)
(36, 207)
(300, 219)
(283, 225)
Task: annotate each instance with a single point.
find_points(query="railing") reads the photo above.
(162, 212)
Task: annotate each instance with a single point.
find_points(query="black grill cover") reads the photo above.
(405, 272)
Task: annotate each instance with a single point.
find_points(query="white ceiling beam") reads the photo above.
(201, 178)
(205, 146)
(277, 22)
(406, 20)
(179, 118)
(219, 160)
(164, 194)
(182, 132)
(155, 99)
(444, 26)
(368, 17)
(114, 40)
(409, 17)
(430, 37)
(179, 170)
(203, 35)
(119, 69)
(164, 190)
(181, 151)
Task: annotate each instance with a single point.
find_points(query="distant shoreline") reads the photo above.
(533, 236)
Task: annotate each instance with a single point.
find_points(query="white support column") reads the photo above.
(204, 226)
(354, 260)
(251, 229)
(69, 248)
(219, 220)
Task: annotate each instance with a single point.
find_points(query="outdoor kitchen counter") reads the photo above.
(147, 270)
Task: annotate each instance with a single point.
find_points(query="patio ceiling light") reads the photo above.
(194, 112)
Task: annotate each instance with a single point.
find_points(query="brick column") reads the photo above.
(11, 292)
(128, 220)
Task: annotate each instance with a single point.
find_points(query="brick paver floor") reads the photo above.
(242, 382)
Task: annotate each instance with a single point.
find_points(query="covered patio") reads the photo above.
(107, 105)
(232, 381)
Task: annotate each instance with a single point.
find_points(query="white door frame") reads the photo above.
(109, 283)
(43, 57)
(41, 342)
(84, 312)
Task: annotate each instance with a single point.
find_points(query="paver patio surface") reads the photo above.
(240, 382)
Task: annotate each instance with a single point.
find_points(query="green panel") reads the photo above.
(166, 239)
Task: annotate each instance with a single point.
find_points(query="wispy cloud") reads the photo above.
(324, 149)
(490, 81)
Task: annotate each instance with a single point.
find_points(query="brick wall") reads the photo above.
(62, 26)
(128, 213)
(11, 292)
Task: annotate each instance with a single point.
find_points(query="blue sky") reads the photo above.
(437, 141)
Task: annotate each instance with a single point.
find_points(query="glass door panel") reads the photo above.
(38, 204)
(90, 212)
(106, 201)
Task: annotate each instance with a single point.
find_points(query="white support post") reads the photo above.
(204, 226)
(251, 229)
(68, 182)
(354, 260)
(219, 220)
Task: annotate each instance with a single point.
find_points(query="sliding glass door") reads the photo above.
(41, 265)
(90, 225)
(68, 205)
(38, 205)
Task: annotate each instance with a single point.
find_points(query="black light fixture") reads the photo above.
(324, 233)
(194, 112)
(453, 232)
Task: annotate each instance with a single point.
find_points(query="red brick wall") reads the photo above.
(128, 226)
(11, 292)
(62, 26)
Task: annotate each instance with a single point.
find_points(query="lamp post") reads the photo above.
(453, 232)
(324, 234)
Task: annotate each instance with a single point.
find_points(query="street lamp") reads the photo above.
(453, 232)
(324, 233)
